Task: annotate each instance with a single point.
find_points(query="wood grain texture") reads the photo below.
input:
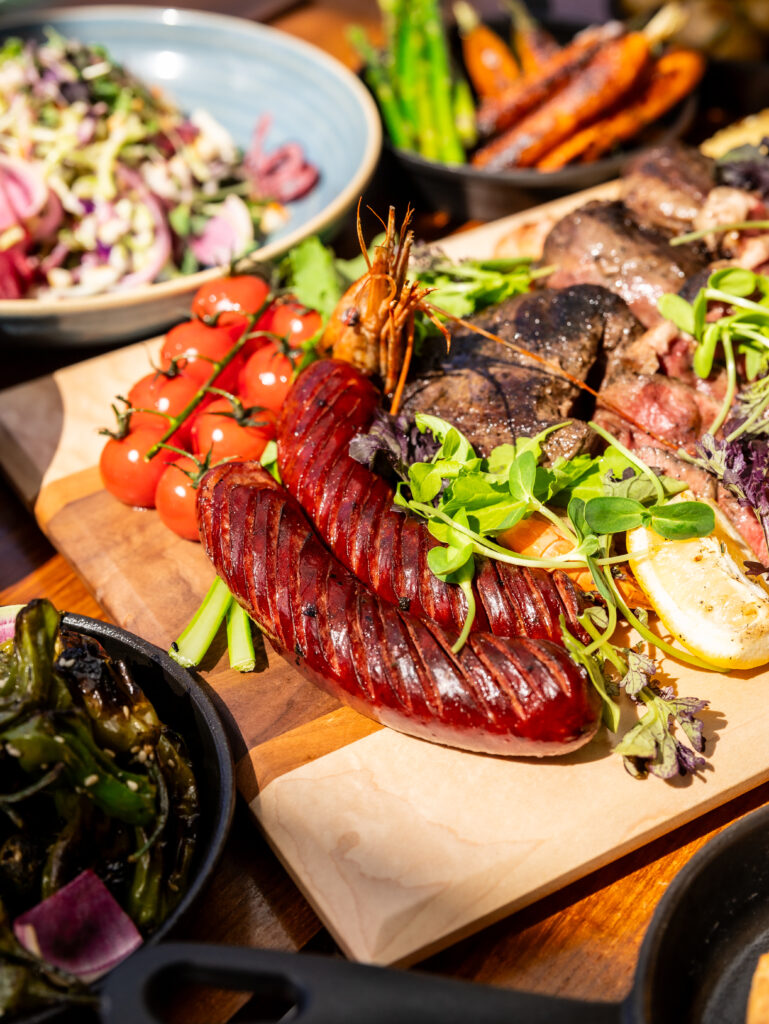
(336, 795)
(485, 836)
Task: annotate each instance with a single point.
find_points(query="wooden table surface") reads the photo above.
(582, 941)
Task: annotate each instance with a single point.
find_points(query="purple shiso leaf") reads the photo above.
(8, 621)
(397, 441)
(81, 929)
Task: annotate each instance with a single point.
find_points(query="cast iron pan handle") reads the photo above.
(327, 991)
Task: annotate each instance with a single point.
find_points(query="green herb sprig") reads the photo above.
(743, 332)
(467, 501)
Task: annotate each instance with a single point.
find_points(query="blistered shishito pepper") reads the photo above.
(181, 829)
(121, 716)
(145, 896)
(29, 675)
(48, 738)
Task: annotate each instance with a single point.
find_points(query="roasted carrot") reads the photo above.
(538, 538)
(673, 76)
(488, 59)
(533, 44)
(609, 75)
(500, 112)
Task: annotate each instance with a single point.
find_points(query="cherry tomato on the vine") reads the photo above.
(124, 471)
(175, 498)
(220, 431)
(292, 321)
(168, 396)
(266, 378)
(230, 299)
(198, 347)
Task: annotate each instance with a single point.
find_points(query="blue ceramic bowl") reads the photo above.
(237, 70)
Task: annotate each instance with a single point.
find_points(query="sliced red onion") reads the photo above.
(81, 929)
(48, 219)
(226, 235)
(16, 272)
(8, 621)
(161, 248)
(23, 192)
(284, 174)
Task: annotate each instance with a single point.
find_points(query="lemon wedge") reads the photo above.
(701, 593)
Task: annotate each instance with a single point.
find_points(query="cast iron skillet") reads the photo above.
(695, 965)
(184, 703)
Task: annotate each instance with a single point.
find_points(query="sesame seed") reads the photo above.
(133, 786)
(91, 780)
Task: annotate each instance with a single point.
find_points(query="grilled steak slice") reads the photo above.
(492, 393)
(600, 243)
(667, 186)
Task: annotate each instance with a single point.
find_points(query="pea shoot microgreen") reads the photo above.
(468, 501)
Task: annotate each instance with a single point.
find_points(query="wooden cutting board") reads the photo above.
(400, 845)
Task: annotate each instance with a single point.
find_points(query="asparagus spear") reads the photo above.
(378, 81)
(464, 113)
(449, 147)
(407, 50)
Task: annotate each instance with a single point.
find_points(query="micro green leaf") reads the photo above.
(683, 520)
(705, 352)
(523, 473)
(461, 449)
(735, 281)
(425, 480)
(674, 308)
(614, 515)
(446, 560)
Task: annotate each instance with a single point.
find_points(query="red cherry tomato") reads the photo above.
(266, 378)
(175, 498)
(199, 346)
(218, 431)
(166, 395)
(124, 471)
(292, 321)
(229, 298)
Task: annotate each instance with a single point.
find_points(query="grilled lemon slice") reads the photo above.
(701, 593)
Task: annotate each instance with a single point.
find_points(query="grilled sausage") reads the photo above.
(352, 509)
(499, 696)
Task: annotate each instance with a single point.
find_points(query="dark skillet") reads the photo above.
(695, 965)
(184, 703)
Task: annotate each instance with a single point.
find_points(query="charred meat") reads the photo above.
(601, 243)
(492, 393)
(667, 186)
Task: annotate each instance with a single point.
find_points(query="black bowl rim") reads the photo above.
(198, 691)
(572, 176)
(716, 848)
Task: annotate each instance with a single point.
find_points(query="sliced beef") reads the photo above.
(678, 409)
(492, 393)
(601, 243)
(667, 186)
